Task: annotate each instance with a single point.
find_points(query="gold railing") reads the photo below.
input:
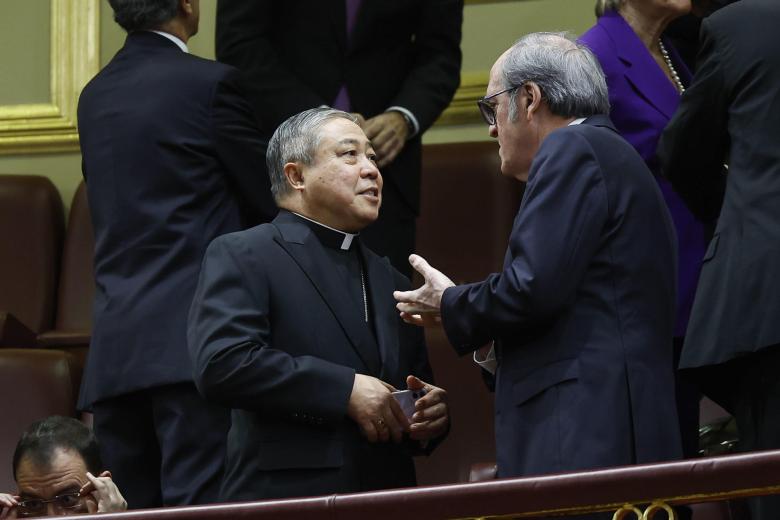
(631, 492)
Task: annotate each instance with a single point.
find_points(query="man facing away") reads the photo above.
(581, 315)
(172, 158)
(293, 325)
(59, 472)
(731, 114)
(396, 63)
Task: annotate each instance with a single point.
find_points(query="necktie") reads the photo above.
(342, 98)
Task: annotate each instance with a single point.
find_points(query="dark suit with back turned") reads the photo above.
(582, 314)
(172, 159)
(277, 332)
(731, 113)
(296, 55)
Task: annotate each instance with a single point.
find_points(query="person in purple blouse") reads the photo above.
(646, 77)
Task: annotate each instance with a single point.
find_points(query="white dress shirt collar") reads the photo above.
(180, 44)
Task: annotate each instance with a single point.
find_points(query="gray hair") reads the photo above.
(296, 140)
(143, 15)
(602, 6)
(567, 73)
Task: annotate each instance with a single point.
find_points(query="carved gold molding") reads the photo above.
(463, 107)
(471, 2)
(51, 127)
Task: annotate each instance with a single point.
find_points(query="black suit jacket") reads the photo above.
(295, 55)
(731, 113)
(172, 158)
(273, 335)
(582, 313)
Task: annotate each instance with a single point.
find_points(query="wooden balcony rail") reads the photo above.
(629, 492)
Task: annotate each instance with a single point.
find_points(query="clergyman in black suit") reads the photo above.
(397, 63)
(172, 158)
(731, 114)
(293, 326)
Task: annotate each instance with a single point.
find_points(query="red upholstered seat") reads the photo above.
(31, 230)
(76, 290)
(34, 384)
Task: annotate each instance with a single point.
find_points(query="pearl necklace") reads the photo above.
(672, 70)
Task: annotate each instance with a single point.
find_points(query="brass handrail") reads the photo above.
(641, 490)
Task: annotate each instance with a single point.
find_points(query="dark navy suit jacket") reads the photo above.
(582, 313)
(642, 101)
(172, 158)
(731, 114)
(274, 335)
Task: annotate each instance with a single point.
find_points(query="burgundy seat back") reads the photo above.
(34, 384)
(77, 280)
(31, 229)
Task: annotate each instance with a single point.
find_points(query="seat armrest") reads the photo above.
(64, 338)
(14, 333)
(482, 471)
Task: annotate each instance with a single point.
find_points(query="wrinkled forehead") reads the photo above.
(65, 470)
(341, 132)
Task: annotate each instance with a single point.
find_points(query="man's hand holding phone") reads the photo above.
(430, 418)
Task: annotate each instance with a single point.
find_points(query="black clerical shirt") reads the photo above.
(344, 251)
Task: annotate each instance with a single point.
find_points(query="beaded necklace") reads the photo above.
(672, 70)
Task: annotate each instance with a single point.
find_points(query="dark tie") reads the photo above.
(342, 98)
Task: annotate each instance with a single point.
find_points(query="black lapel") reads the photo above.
(302, 245)
(338, 20)
(381, 286)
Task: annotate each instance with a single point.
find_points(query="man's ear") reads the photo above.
(533, 95)
(186, 6)
(293, 172)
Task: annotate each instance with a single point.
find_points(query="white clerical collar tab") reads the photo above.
(577, 121)
(347, 242)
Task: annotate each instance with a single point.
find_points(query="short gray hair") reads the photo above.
(143, 15)
(296, 140)
(602, 6)
(567, 73)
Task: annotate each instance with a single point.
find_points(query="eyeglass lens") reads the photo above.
(36, 506)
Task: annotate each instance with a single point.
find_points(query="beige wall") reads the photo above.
(488, 29)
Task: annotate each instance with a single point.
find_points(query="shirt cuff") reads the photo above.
(489, 361)
(410, 117)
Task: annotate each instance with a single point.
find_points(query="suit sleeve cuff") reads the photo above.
(409, 117)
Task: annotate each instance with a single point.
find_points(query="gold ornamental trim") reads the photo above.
(463, 107)
(74, 60)
(625, 510)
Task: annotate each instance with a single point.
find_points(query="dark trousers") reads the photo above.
(687, 396)
(164, 446)
(756, 407)
(393, 233)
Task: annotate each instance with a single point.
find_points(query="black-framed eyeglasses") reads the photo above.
(487, 109)
(36, 506)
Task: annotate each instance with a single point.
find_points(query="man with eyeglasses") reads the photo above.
(581, 315)
(57, 468)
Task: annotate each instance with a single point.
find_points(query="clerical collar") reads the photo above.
(331, 237)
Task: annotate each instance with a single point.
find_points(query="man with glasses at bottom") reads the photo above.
(581, 315)
(57, 468)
